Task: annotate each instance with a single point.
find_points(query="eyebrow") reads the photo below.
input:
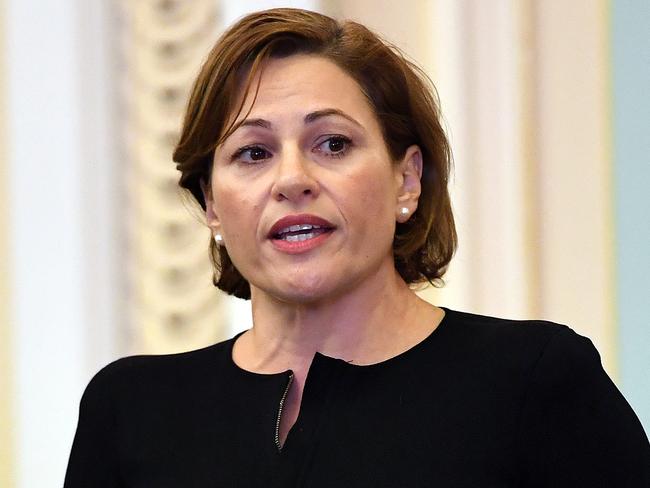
(328, 112)
(309, 118)
(264, 124)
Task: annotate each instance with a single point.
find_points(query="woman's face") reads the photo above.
(304, 191)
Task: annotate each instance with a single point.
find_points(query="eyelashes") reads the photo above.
(332, 146)
(251, 154)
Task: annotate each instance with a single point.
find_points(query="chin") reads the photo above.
(307, 290)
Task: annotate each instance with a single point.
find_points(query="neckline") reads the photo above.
(413, 350)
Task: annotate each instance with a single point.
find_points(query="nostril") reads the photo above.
(294, 187)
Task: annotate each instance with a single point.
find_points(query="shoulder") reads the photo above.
(141, 373)
(486, 326)
(570, 416)
(517, 340)
(528, 357)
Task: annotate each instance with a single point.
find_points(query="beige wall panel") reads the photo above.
(445, 63)
(476, 62)
(495, 164)
(574, 168)
(6, 353)
(401, 23)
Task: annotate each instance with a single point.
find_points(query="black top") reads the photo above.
(481, 402)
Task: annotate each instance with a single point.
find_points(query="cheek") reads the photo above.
(237, 212)
(373, 193)
(371, 211)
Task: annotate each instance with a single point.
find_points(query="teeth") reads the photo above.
(298, 227)
(299, 237)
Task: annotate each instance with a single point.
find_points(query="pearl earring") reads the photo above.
(404, 211)
(218, 239)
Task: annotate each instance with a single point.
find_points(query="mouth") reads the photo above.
(300, 232)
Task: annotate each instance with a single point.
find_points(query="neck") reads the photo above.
(375, 320)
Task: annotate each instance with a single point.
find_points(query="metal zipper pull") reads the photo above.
(281, 406)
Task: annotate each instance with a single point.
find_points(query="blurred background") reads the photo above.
(546, 105)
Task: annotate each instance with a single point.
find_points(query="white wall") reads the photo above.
(61, 169)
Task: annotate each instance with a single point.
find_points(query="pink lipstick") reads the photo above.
(296, 234)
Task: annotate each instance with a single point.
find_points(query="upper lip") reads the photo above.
(301, 219)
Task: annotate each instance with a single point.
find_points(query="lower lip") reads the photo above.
(298, 247)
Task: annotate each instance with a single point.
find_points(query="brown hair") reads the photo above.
(400, 94)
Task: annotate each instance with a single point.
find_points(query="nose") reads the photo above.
(294, 180)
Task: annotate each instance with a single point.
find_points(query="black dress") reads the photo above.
(481, 402)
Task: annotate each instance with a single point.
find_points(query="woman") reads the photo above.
(317, 154)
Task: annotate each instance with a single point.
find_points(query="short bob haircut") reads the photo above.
(401, 95)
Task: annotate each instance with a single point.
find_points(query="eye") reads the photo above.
(251, 154)
(334, 146)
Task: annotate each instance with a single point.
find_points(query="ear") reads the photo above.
(211, 216)
(408, 177)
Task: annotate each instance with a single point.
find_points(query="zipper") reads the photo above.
(280, 408)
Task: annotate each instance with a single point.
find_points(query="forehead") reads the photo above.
(303, 83)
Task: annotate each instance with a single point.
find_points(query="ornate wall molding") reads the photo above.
(172, 303)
